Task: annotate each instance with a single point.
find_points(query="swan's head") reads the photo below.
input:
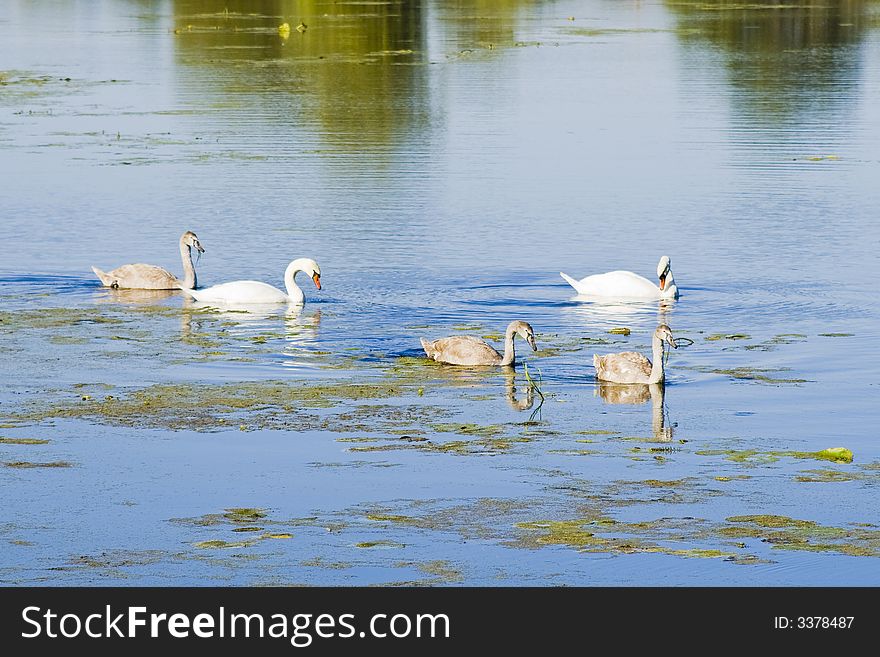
(525, 331)
(307, 265)
(664, 333)
(664, 271)
(189, 239)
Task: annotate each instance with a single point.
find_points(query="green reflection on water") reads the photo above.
(784, 56)
(355, 69)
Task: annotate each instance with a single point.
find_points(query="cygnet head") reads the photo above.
(189, 239)
(664, 333)
(664, 270)
(525, 331)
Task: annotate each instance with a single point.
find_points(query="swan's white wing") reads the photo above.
(617, 284)
(242, 292)
(462, 350)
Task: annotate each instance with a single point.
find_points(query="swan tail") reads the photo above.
(105, 278)
(597, 365)
(570, 280)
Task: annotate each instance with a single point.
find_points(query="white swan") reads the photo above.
(468, 350)
(248, 292)
(627, 285)
(151, 277)
(631, 366)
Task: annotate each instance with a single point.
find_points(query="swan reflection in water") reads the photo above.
(617, 393)
(133, 297)
(518, 403)
(300, 328)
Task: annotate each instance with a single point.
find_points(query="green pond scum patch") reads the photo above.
(657, 483)
(222, 545)
(440, 572)
(595, 533)
(244, 514)
(23, 441)
(68, 339)
(758, 375)
(24, 465)
(320, 562)
(247, 527)
(52, 318)
(784, 533)
(482, 518)
(469, 429)
(114, 559)
(828, 476)
(397, 519)
(588, 535)
(787, 338)
(381, 545)
(757, 457)
(487, 446)
(211, 407)
(727, 336)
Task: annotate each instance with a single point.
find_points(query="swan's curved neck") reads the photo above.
(293, 290)
(189, 272)
(509, 351)
(657, 363)
(669, 288)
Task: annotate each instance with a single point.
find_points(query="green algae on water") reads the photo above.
(244, 514)
(835, 454)
(757, 375)
(785, 533)
(469, 429)
(397, 519)
(756, 457)
(23, 441)
(218, 544)
(206, 407)
(381, 545)
(50, 318)
(828, 476)
(727, 336)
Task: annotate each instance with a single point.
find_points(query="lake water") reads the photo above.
(442, 162)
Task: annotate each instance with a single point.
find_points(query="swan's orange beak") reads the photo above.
(663, 281)
(317, 278)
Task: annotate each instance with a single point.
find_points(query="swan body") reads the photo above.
(150, 277)
(469, 350)
(627, 285)
(256, 292)
(633, 367)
